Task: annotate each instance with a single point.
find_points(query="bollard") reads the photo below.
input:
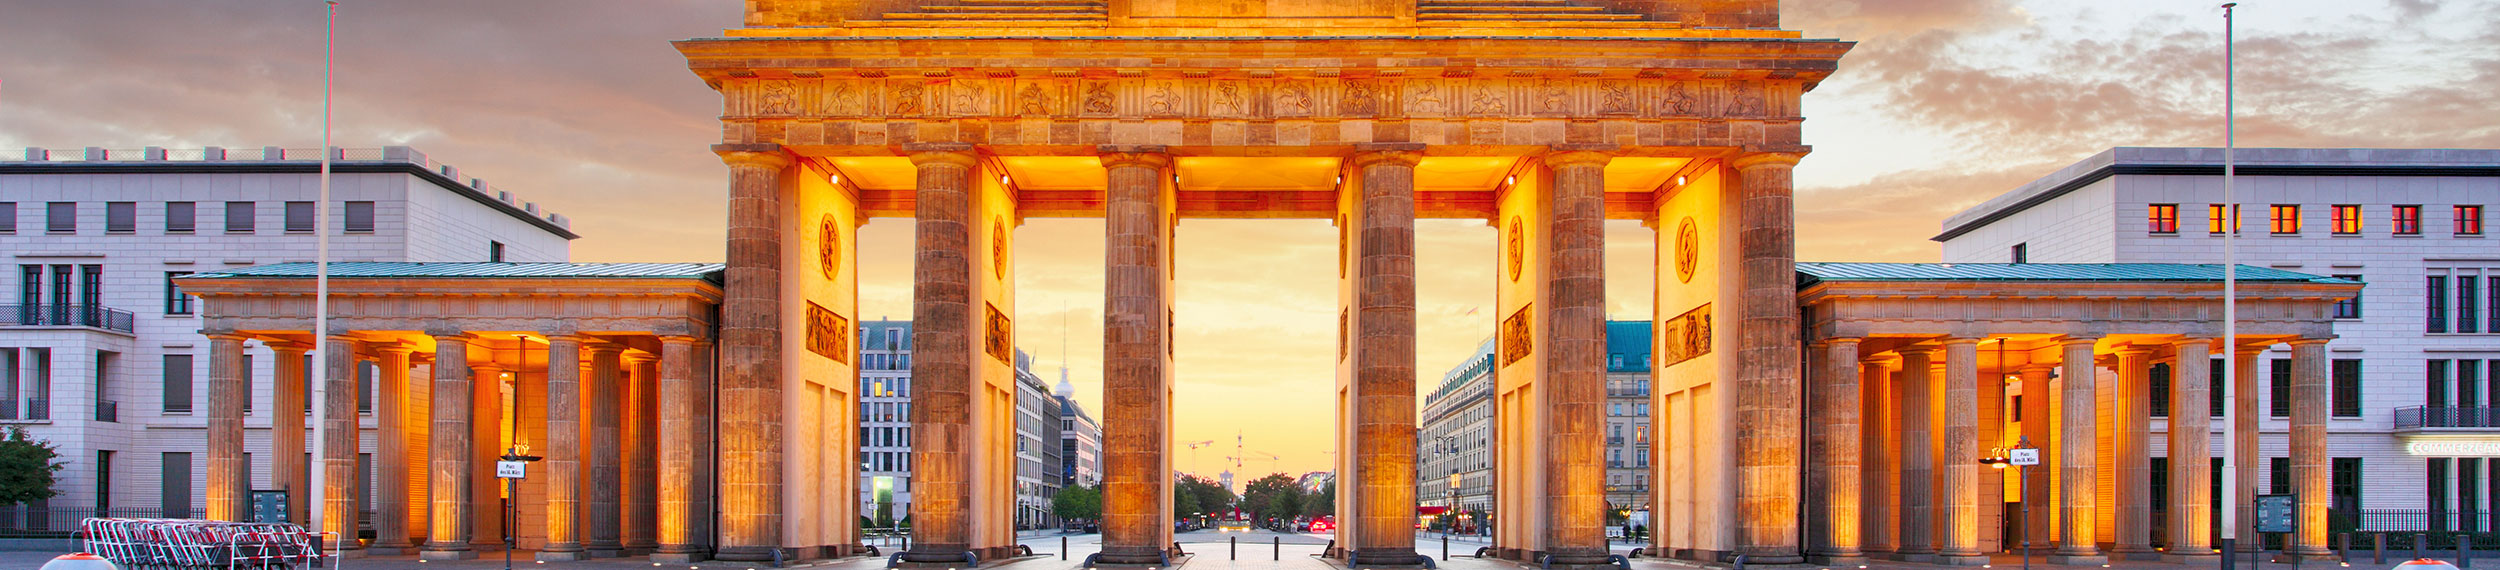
(1232, 547)
(1280, 547)
(1063, 547)
(2465, 551)
(2420, 540)
(2378, 548)
(1445, 547)
(2343, 547)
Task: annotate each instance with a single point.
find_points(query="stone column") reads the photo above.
(1960, 452)
(341, 502)
(287, 465)
(602, 473)
(1575, 365)
(2078, 465)
(750, 339)
(2247, 409)
(229, 388)
(1384, 378)
(1912, 391)
(942, 379)
(447, 534)
(642, 450)
(485, 448)
(563, 454)
(1881, 478)
(2134, 416)
(1767, 387)
(684, 421)
(2311, 399)
(2039, 425)
(390, 452)
(1841, 431)
(2191, 455)
(1134, 332)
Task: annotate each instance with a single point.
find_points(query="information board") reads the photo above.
(2277, 513)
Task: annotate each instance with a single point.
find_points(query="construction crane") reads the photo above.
(1270, 458)
(1193, 451)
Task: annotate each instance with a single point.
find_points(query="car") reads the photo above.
(1324, 524)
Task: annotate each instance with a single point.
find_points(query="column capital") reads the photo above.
(1399, 154)
(1918, 350)
(2190, 344)
(2309, 341)
(1840, 340)
(2133, 351)
(958, 154)
(226, 335)
(1566, 155)
(596, 348)
(1953, 340)
(2075, 339)
(575, 338)
(393, 348)
(1155, 159)
(681, 339)
(638, 357)
(287, 346)
(766, 155)
(2035, 367)
(1754, 159)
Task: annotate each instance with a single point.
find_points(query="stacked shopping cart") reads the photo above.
(134, 543)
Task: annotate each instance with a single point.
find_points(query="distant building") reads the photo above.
(1080, 438)
(101, 353)
(885, 420)
(1038, 447)
(1458, 425)
(1627, 415)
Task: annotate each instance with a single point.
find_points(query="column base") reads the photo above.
(1962, 559)
(391, 550)
(747, 554)
(562, 555)
(2124, 552)
(2078, 559)
(447, 555)
(2196, 559)
(2297, 557)
(1839, 559)
(1917, 556)
(666, 556)
(1394, 558)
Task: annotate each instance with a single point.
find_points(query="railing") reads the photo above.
(2416, 417)
(20, 521)
(106, 318)
(108, 411)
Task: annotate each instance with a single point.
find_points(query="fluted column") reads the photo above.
(390, 451)
(2310, 405)
(1960, 455)
(642, 449)
(486, 446)
(287, 465)
(1840, 420)
(1575, 366)
(1880, 481)
(1914, 397)
(2134, 416)
(942, 352)
(340, 504)
(448, 533)
(2078, 464)
(1768, 408)
(750, 355)
(2247, 408)
(684, 421)
(1134, 362)
(2191, 455)
(229, 389)
(2039, 425)
(563, 463)
(602, 473)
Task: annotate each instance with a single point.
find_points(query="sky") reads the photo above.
(584, 107)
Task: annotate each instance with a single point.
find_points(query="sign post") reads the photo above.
(513, 467)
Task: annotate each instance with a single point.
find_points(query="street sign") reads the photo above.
(2023, 456)
(511, 469)
(2275, 513)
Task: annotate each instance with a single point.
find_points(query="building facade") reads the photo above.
(1627, 416)
(2414, 359)
(1080, 438)
(1038, 444)
(101, 352)
(885, 421)
(1456, 437)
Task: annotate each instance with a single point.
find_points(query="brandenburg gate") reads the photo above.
(1543, 118)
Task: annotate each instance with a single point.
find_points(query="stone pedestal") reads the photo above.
(750, 467)
(1135, 333)
(1767, 387)
(448, 533)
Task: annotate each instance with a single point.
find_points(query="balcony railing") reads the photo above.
(108, 411)
(2417, 417)
(101, 317)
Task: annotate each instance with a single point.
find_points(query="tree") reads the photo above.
(1212, 498)
(1260, 496)
(1321, 503)
(1184, 503)
(1077, 503)
(1287, 504)
(26, 467)
(885, 508)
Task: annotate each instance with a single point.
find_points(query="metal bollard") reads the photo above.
(2420, 540)
(1280, 547)
(1232, 547)
(2465, 552)
(1445, 547)
(1063, 547)
(2378, 548)
(2343, 546)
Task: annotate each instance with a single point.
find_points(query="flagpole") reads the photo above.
(318, 496)
(2230, 303)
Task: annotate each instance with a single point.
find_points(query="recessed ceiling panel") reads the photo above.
(1257, 173)
(1641, 173)
(1057, 172)
(879, 172)
(1462, 173)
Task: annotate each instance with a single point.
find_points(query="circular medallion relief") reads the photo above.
(829, 247)
(998, 247)
(1687, 249)
(1517, 247)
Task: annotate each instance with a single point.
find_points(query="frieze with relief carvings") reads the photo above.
(913, 97)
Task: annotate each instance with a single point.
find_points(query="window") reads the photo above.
(2162, 219)
(2214, 218)
(2469, 313)
(2349, 308)
(2021, 253)
(8, 217)
(2217, 390)
(2435, 384)
(2285, 219)
(103, 480)
(299, 217)
(2347, 387)
(2160, 469)
(2347, 219)
(2435, 304)
(494, 251)
(2469, 220)
(2438, 480)
(61, 217)
(2406, 220)
(2281, 394)
(239, 217)
(2344, 486)
(121, 217)
(2279, 475)
(175, 485)
(2491, 293)
(359, 217)
(176, 302)
(2159, 382)
(181, 217)
(178, 383)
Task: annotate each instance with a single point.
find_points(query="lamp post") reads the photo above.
(2021, 456)
(515, 464)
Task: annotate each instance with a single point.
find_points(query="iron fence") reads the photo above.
(22, 521)
(97, 316)
(2415, 417)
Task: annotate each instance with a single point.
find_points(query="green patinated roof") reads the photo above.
(1810, 272)
(479, 269)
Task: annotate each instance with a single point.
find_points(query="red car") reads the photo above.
(1324, 524)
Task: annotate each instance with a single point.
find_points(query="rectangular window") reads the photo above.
(8, 217)
(2469, 384)
(121, 217)
(247, 386)
(359, 218)
(2161, 484)
(2159, 381)
(2279, 475)
(2469, 220)
(2021, 253)
(181, 217)
(2162, 219)
(2435, 304)
(176, 302)
(2435, 384)
(2469, 472)
(2469, 308)
(2437, 496)
(2405, 220)
(61, 217)
(2218, 391)
(174, 485)
(103, 480)
(494, 251)
(2347, 387)
(2349, 308)
(2280, 396)
(2214, 218)
(239, 217)
(2347, 219)
(178, 383)
(2344, 484)
(299, 217)
(2285, 219)
(2491, 300)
